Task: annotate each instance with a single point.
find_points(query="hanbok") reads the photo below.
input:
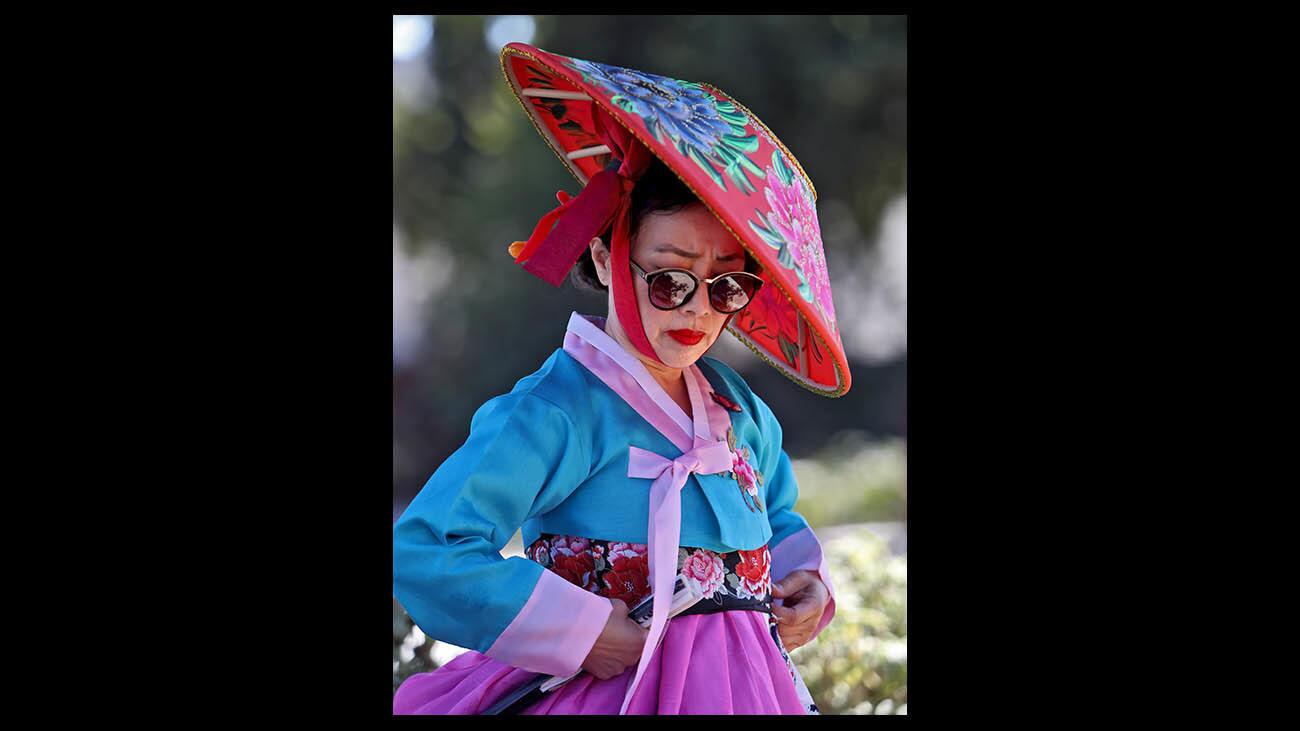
(579, 456)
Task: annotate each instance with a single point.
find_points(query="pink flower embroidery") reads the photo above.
(744, 474)
(703, 572)
(570, 545)
(795, 218)
(572, 559)
(619, 549)
(791, 227)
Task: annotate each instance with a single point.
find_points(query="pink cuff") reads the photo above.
(555, 630)
(802, 550)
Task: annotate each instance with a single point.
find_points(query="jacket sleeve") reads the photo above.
(793, 545)
(523, 457)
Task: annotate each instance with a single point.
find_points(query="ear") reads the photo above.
(600, 255)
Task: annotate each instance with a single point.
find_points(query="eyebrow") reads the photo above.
(688, 255)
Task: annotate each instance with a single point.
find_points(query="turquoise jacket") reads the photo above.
(551, 456)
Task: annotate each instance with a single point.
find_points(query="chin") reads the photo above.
(682, 362)
(675, 355)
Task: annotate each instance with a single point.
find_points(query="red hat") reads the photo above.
(604, 122)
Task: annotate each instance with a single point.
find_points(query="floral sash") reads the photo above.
(736, 580)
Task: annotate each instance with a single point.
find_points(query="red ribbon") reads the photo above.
(605, 200)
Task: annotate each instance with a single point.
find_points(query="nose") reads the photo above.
(698, 304)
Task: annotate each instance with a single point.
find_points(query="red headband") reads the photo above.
(550, 253)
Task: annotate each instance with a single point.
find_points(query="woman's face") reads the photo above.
(690, 238)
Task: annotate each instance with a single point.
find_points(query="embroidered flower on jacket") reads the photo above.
(744, 473)
(746, 476)
(702, 570)
(755, 572)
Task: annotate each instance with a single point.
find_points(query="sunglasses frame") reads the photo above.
(708, 283)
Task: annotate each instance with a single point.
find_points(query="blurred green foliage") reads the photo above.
(853, 480)
(858, 665)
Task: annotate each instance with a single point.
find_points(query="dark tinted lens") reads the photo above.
(670, 289)
(730, 294)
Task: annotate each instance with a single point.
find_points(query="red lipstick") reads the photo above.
(686, 337)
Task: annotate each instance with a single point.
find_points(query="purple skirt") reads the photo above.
(720, 663)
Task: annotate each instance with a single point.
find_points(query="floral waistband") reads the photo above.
(619, 570)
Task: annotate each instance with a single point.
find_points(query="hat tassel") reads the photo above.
(522, 250)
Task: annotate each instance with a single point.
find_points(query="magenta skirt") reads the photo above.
(721, 663)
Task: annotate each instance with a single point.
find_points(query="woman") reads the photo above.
(629, 460)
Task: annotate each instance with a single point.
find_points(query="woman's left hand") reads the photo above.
(805, 598)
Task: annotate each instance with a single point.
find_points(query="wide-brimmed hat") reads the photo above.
(601, 120)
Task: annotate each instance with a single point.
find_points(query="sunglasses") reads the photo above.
(672, 288)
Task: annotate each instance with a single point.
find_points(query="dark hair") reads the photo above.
(658, 191)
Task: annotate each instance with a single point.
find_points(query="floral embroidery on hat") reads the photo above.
(792, 229)
(758, 189)
(705, 129)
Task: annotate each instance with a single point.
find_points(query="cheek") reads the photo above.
(715, 330)
(649, 314)
(656, 321)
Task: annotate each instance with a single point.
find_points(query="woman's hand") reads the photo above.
(805, 598)
(618, 646)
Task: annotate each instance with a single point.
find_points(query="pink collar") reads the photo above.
(588, 343)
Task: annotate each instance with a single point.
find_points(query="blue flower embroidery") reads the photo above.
(708, 131)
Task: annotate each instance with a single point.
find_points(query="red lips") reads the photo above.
(686, 337)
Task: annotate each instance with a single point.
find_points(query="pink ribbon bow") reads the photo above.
(706, 457)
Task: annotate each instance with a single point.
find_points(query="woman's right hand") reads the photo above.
(618, 646)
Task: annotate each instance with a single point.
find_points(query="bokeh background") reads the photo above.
(470, 175)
